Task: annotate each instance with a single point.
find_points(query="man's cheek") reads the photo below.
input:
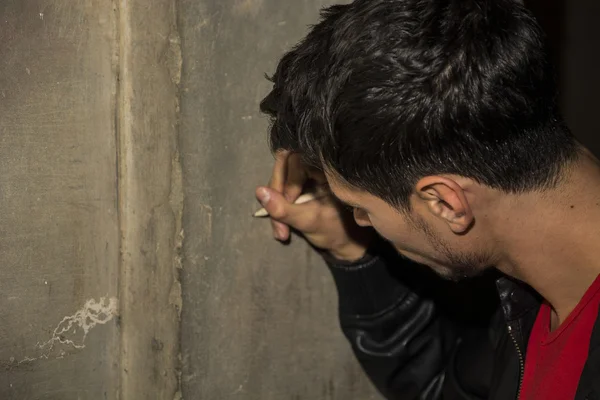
(387, 232)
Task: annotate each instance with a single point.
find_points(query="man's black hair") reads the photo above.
(385, 92)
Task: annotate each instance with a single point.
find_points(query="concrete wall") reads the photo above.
(150, 199)
(91, 200)
(259, 320)
(130, 145)
(59, 231)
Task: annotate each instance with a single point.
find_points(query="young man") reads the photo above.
(437, 122)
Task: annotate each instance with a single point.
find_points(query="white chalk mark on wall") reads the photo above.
(73, 330)
(78, 325)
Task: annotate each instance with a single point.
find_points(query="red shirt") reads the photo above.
(555, 360)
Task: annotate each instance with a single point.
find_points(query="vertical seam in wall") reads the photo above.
(122, 131)
(176, 196)
(128, 196)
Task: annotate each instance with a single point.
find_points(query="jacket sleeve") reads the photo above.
(398, 317)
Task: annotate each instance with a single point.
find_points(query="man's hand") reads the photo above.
(323, 221)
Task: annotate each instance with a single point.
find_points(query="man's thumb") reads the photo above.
(273, 202)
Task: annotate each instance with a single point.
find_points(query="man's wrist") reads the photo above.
(350, 253)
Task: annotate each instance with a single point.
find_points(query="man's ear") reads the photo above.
(447, 200)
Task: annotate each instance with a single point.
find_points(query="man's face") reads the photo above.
(418, 234)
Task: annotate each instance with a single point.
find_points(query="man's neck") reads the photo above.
(553, 240)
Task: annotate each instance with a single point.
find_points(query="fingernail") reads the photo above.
(278, 234)
(263, 196)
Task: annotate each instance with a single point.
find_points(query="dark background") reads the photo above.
(573, 31)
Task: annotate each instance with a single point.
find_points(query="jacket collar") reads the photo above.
(516, 298)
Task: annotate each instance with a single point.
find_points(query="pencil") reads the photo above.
(305, 198)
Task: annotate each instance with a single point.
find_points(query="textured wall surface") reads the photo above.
(130, 146)
(150, 199)
(91, 200)
(59, 241)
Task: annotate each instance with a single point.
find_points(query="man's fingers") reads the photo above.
(280, 230)
(277, 182)
(266, 197)
(296, 178)
(281, 211)
(279, 173)
(273, 202)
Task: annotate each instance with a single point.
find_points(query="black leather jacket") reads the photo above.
(418, 337)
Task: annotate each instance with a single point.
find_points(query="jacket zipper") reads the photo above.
(521, 361)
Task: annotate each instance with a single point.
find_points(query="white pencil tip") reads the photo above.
(261, 213)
